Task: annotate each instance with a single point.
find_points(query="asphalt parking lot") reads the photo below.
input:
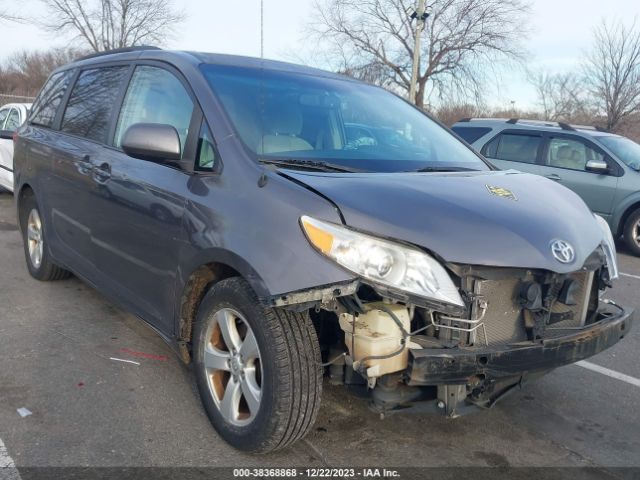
(56, 344)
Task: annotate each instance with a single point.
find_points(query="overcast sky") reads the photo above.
(561, 32)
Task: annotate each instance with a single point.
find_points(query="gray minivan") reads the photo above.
(601, 167)
(275, 223)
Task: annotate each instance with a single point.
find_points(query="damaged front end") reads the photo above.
(520, 323)
(513, 325)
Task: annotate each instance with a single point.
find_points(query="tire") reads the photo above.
(44, 269)
(288, 367)
(632, 232)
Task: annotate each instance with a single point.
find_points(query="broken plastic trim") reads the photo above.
(327, 293)
(323, 294)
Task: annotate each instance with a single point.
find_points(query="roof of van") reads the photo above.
(154, 53)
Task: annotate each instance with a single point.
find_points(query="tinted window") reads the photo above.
(91, 102)
(44, 110)
(571, 154)
(13, 120)
(206, 150)
(297, 116)
(514, 147)
(471, 134)
(155, 96)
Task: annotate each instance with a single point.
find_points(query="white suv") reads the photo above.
(12, 116)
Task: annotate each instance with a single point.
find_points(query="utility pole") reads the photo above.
(262, 29)
(419, 13)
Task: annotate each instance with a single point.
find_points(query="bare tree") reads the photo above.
(24, 72)
(450, 114)
(7, 15)
(108, 24)
(612, 71)
(464, 39)
(561, 96)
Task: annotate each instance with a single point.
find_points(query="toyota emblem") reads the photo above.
(563, 251)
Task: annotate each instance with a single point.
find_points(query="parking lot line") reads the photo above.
(637, 277)
(8, 470)
(609, 373)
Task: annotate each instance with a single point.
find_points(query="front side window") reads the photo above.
(4, 113)
(13, 120)
(44, 110)
(91, 102)
(514, 148)
(155, 96)
(295, 116)
(625, 149)
(571, 154)
(207, 157)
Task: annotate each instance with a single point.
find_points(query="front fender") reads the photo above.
(224, 257)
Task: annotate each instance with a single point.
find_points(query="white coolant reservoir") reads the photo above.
(374, 333)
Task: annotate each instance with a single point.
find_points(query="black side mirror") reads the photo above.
(151, 141)
(597, 166)
(6, 134)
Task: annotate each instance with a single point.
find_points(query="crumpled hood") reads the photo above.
(456, 216)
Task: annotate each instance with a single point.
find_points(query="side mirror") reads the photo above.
(596, 166)
(151, 141)
(6, 134)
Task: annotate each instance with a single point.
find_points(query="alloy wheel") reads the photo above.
(35, 239)
(233, 367)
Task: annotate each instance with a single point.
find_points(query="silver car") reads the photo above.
(12, 116)
(601, 167)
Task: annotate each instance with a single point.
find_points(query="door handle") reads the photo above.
(554, 177)
(102, 173)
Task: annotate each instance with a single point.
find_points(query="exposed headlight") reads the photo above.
(609, 247)
(383, 262)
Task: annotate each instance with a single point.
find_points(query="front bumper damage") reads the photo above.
(486, 374)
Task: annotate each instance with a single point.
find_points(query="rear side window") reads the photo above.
(471, 134)
(155, 96)
(44, 110)
(514, 147)
(91, 102)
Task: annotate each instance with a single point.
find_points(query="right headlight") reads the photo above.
(609, 247)
(384, 262)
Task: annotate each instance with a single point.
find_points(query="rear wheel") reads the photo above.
(632, 232)
(258, 369)
(36, 251)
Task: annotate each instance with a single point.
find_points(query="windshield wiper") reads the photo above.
(309, 164)
(445, 169)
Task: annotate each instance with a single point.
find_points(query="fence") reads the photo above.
(8, 98)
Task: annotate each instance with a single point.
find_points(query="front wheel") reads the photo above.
(632, 232)
(258, 368)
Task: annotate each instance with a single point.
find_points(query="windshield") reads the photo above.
(292, 116)
(626, 150)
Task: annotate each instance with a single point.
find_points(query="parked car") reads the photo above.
(12, 116)
(409, 265)
(603, 168)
